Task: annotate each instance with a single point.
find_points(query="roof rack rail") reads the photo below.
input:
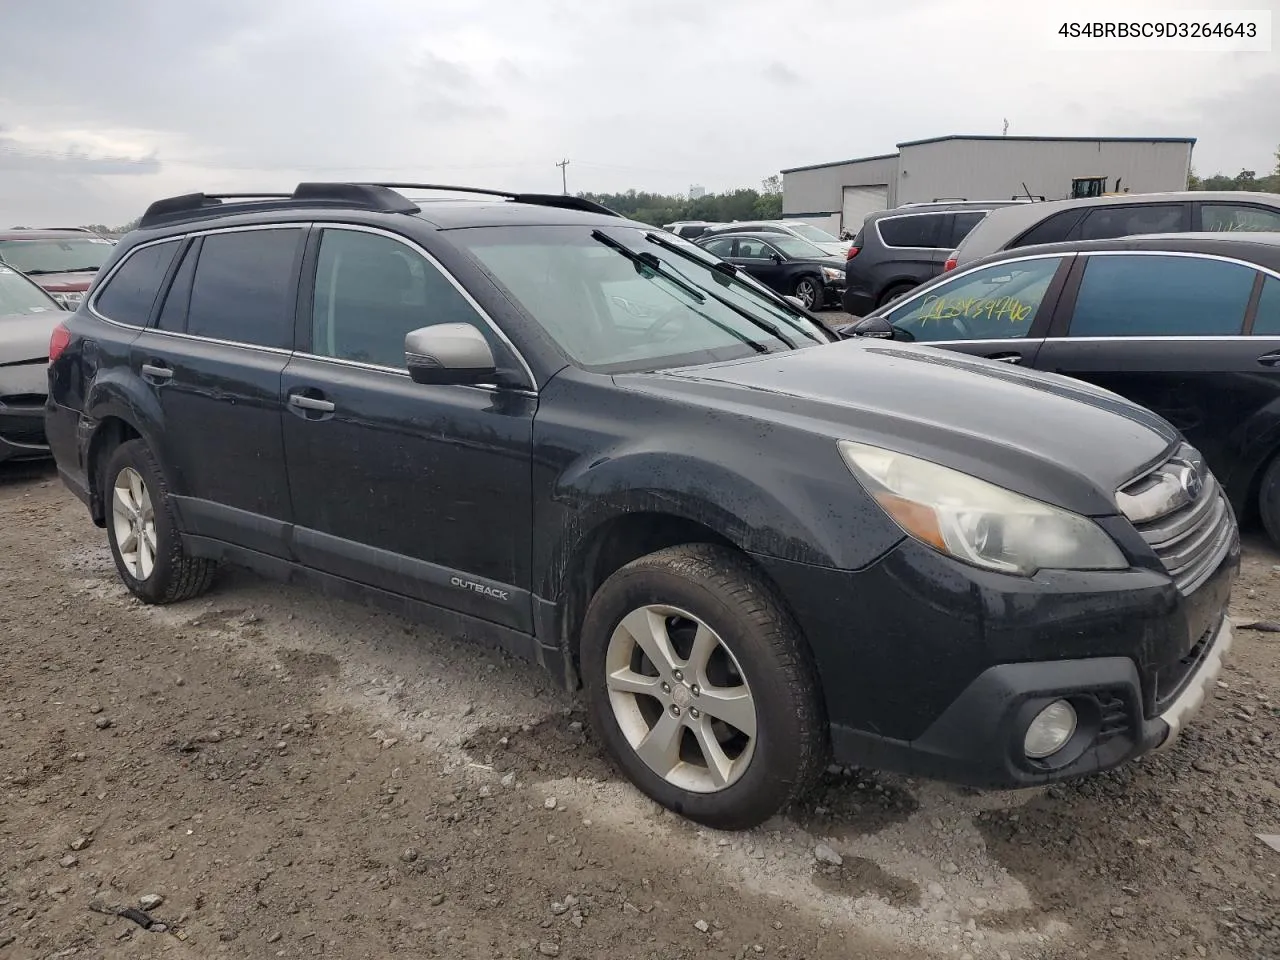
(194, 205)
(382, 197)
(540, 199)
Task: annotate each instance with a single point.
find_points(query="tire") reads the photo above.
(808, 290)
(896, 290)
(760, 775)
(171, 575)
(1269, 499)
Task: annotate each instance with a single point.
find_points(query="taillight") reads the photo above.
(949, 265)
(851, 253)
(58, 341)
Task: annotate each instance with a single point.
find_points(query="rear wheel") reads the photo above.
(809, 292)
(897, 290)
(1269, 499)
(143, 531)
(701, 688)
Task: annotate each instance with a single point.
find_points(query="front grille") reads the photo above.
(1190, 534)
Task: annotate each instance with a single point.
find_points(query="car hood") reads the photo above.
(65, 282)
(25, 336)
(1046, 436)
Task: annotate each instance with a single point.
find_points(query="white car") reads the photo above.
(832, 246)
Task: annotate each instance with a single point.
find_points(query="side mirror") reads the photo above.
(776, 258)
(877, 327)
(448, 353)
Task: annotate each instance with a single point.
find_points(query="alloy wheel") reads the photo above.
(806, 293)
(680, 698)
(133, 519)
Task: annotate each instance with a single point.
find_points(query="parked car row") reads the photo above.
(896, 250)
(62, 260)
(754, 544)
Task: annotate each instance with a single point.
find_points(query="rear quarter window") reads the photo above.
(130, 291)
(1054, 229)
(920, 231)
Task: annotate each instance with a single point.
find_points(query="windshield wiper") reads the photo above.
(751, 318)
(38, 272)
(652, 263)
(731, 271)
(649, 262)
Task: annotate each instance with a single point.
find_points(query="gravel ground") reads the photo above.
(269, 772)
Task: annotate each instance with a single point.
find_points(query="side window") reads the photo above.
(962, 224)
(173, 315)
(130, 293)
(754, 250)
(920, 230)
(1266, 322)
(371, 290)
(1108, 222)
(1237, 217)
(722, 247)
(1161, 296)
(243, 287)
(994, 303)
(1054, 229)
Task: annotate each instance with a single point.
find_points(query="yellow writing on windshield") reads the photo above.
(974, 308)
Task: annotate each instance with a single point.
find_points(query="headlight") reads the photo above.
(976, 521)
(831, 273)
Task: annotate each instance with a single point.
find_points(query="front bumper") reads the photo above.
(22, 431)
(933, 668)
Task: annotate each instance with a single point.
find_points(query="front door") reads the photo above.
(213, 357)
(1166, 331)
(422, 491)
(761, 261)
(999, 312)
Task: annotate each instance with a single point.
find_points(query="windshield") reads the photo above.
(19, 295)
(62, 255)
(798, 249)
(625, 299)
(810, 232)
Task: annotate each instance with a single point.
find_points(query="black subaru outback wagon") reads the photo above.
(534, 422)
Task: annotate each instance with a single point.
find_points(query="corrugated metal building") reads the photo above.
(838, 195)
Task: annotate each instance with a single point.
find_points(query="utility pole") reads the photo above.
(564, 183)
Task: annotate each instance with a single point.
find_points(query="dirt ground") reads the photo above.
(294, 776)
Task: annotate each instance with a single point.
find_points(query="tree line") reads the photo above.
(659, 208)
(1244, 180)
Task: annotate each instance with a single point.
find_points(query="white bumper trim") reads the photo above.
(1199, 687)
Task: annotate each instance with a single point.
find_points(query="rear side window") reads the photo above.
(1161, 296)
(243, 290)
(920, 231)
(721, 248)
(131, 291)
(961, 225)
(1108, 222)
(1266, 322)
(1238, 217)
(1054, 229)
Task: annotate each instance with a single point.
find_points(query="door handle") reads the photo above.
(1005, 357)
(156, 371)
(310, 403)
(1269, 359)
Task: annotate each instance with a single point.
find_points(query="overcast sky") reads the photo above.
(105, 106)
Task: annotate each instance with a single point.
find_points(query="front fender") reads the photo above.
(771, 507)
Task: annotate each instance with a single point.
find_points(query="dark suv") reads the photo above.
(896, 250)
(531, 421)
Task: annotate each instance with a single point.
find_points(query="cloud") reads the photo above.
(149, 99)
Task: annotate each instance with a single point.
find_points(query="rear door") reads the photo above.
(213, 358)
(1108, 221)
(915, 248)
(1167, 331)
(1230, 216)
(1000, 311)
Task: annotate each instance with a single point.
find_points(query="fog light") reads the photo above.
(1050, 730)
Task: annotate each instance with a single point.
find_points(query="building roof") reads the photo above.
(958, 136)
(961, 136)
(840, 163)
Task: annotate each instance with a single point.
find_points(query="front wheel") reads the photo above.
(701, 687)
(809, 292)
(143, 530)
